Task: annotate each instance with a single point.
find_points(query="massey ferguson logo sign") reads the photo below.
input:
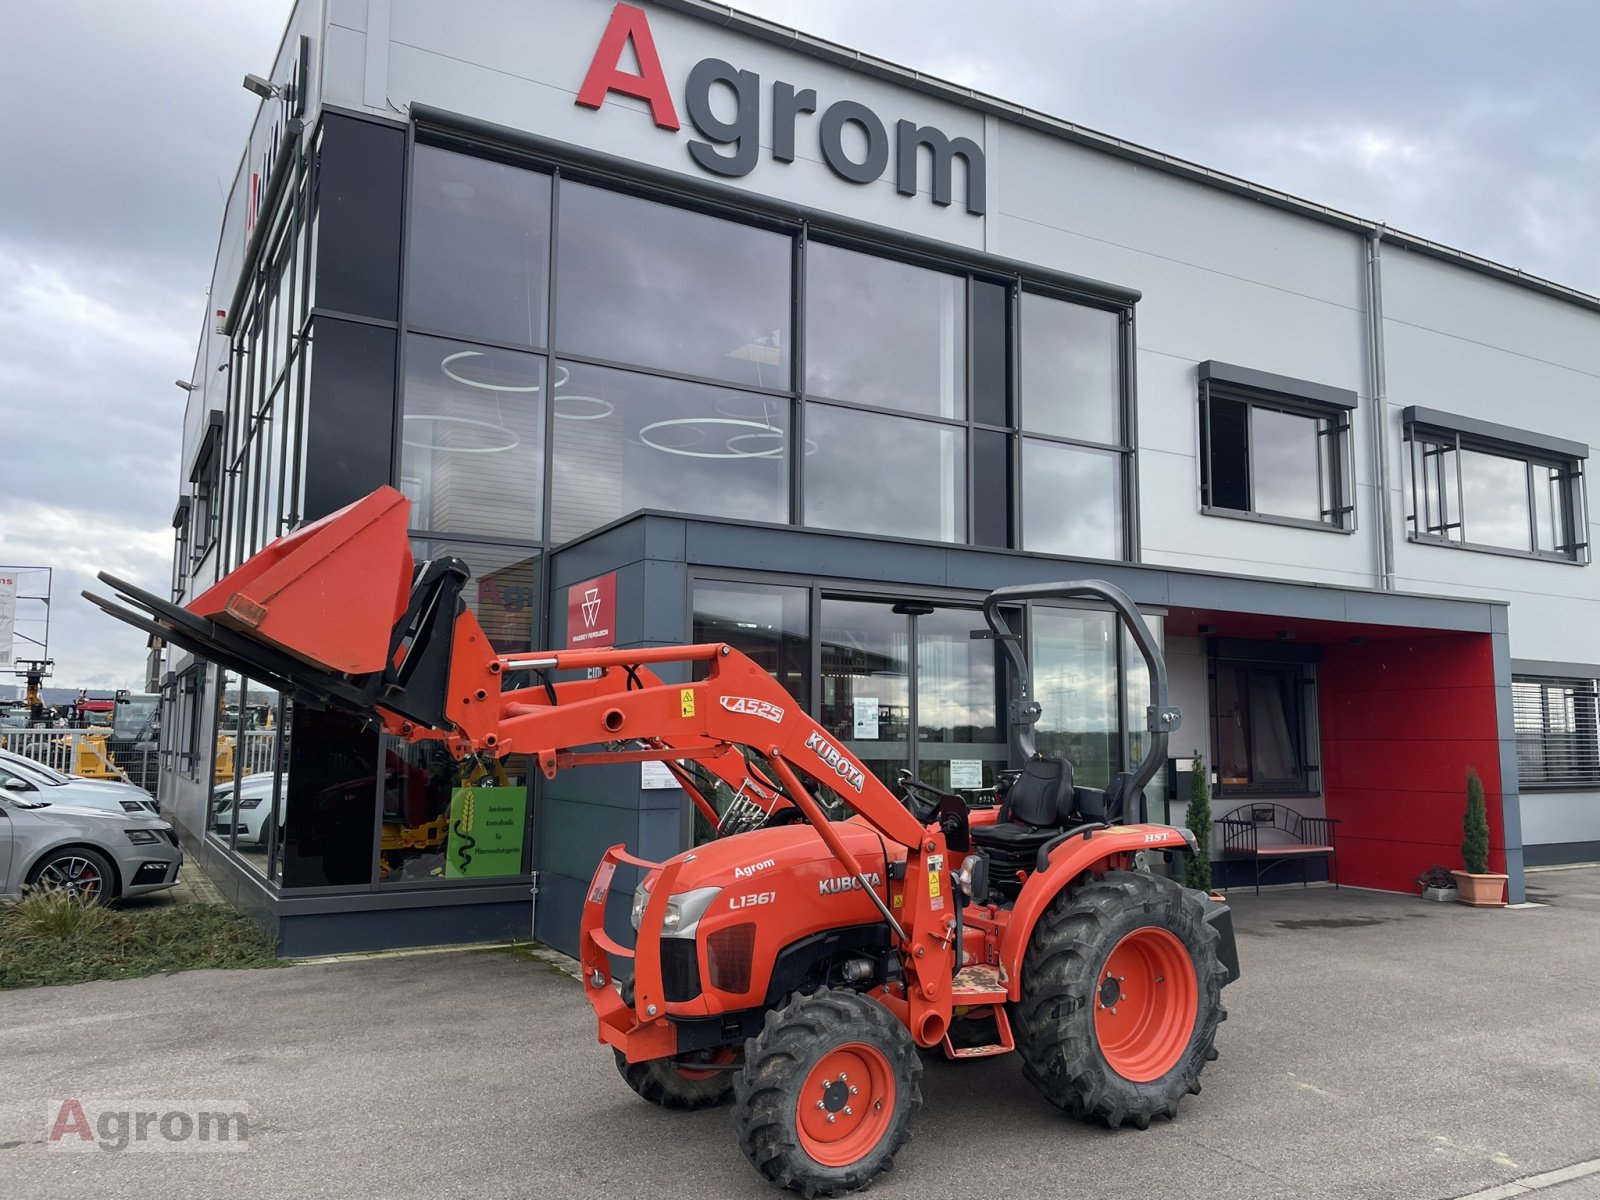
(592, 613)
(836, 762)
(731, 147)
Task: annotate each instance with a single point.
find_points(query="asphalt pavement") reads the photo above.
(1377, 1047)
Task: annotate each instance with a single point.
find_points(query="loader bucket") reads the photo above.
(329, 594)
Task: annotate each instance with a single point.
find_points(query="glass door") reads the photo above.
(891, 669)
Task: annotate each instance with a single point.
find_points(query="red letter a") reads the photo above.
(650, 85)
(71, 1120)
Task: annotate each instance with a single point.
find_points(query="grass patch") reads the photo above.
(50, 938)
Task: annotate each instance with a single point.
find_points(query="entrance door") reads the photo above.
(907, 686)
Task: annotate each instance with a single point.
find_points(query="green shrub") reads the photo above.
(1197, 869)
(1475, 828)
(50, 913)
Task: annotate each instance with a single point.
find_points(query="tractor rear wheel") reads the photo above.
(1121, 998)
(827, 1093)
(675, 1084)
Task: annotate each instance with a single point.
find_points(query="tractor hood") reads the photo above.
(742, 901)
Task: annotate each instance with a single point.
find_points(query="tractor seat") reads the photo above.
(1036, 808)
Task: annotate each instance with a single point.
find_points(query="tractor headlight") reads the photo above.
(641, 897)
(684, 911)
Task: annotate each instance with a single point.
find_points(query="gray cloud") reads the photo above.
(1469, 122)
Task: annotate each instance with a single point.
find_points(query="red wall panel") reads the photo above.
(1401, 722)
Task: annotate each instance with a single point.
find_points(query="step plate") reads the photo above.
(977, 984)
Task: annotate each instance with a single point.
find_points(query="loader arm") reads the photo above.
(338, 615)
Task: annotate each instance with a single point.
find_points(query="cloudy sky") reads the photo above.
(1473, 122)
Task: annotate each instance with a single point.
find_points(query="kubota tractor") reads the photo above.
(795, 965)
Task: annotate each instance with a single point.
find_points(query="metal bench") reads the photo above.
(1290, 836)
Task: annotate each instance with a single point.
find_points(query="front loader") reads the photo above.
(796, 965)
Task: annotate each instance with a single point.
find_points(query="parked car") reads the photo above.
(110, 794)
(256, 821)
(97, 854)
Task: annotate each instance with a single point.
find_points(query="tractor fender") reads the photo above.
(1097, 851)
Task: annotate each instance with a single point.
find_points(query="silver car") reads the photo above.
(94, 853)
(57, 788)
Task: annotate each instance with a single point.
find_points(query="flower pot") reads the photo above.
(1480, 891)
(1443, 894)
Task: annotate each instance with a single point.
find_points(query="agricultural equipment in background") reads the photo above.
(795, 965)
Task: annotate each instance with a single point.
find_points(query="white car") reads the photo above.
(56, 788)
(255, 809)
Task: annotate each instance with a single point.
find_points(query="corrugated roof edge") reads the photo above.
(794, 39)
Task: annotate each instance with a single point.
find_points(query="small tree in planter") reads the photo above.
(1475, 885)
(1197, 870)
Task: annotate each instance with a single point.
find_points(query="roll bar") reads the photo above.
(1161, 718)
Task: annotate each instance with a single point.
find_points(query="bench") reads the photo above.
(1290, 836)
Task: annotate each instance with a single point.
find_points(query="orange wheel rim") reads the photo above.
(723, 1056)
(1146, 1002)
(846, 1104)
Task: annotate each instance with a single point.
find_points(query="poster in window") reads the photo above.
(866, 714)
(486, 832)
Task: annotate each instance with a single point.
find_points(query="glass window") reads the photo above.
(472, 439)
(653, 285)
(1260, 726)
(771, 624)
(503, 592)
(1558, 745)
(625, 441)
(1071, 370)
(1285, 453)
(870, 473)
(866, 682)
(1074, 665)
(991, 354)
(957, 696)
(1494, 490)
(885, 333)
(1470, 492)
(1273, 460)
(1071, 500)
(448, 820)
(478, 260)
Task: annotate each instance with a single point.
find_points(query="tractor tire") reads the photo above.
(1095, 1044)
(827, 1093)
(663, 1081)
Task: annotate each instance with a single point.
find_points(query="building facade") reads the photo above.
(676, 325)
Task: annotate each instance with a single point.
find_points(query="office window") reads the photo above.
(645, 284)
(1480, 486)
(855, 483)
(1260, 726)
(1071, 370)
(1557, 743)
(1072, 500)
(1274, 448)
(884, 333)
(480, 248)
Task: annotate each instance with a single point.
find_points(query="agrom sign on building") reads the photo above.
(731, 146)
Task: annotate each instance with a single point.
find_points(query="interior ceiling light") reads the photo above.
(489, 375)
(599, 407)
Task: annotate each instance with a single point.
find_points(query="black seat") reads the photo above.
(1036, 807)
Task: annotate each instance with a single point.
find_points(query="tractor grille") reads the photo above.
(729, 952)
(680, 969)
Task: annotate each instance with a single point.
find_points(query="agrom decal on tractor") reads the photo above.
(913, 926)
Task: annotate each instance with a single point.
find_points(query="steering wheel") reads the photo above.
(921, 799)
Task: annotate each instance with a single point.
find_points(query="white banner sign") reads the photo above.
(8, 616)
(866, 714)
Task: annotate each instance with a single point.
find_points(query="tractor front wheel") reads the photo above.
(827, 1093)
(678, 1084)
(1121, 997)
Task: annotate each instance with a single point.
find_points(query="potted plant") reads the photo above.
(1197, 869)
(1476, 885)
(1437, 884)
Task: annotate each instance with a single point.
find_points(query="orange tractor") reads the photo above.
(797, 965)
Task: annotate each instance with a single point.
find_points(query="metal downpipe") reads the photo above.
(1378, 387)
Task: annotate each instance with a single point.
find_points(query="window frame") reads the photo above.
(1293, 397)
(1304, 730)
(1427, 428)
(1586, 695)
